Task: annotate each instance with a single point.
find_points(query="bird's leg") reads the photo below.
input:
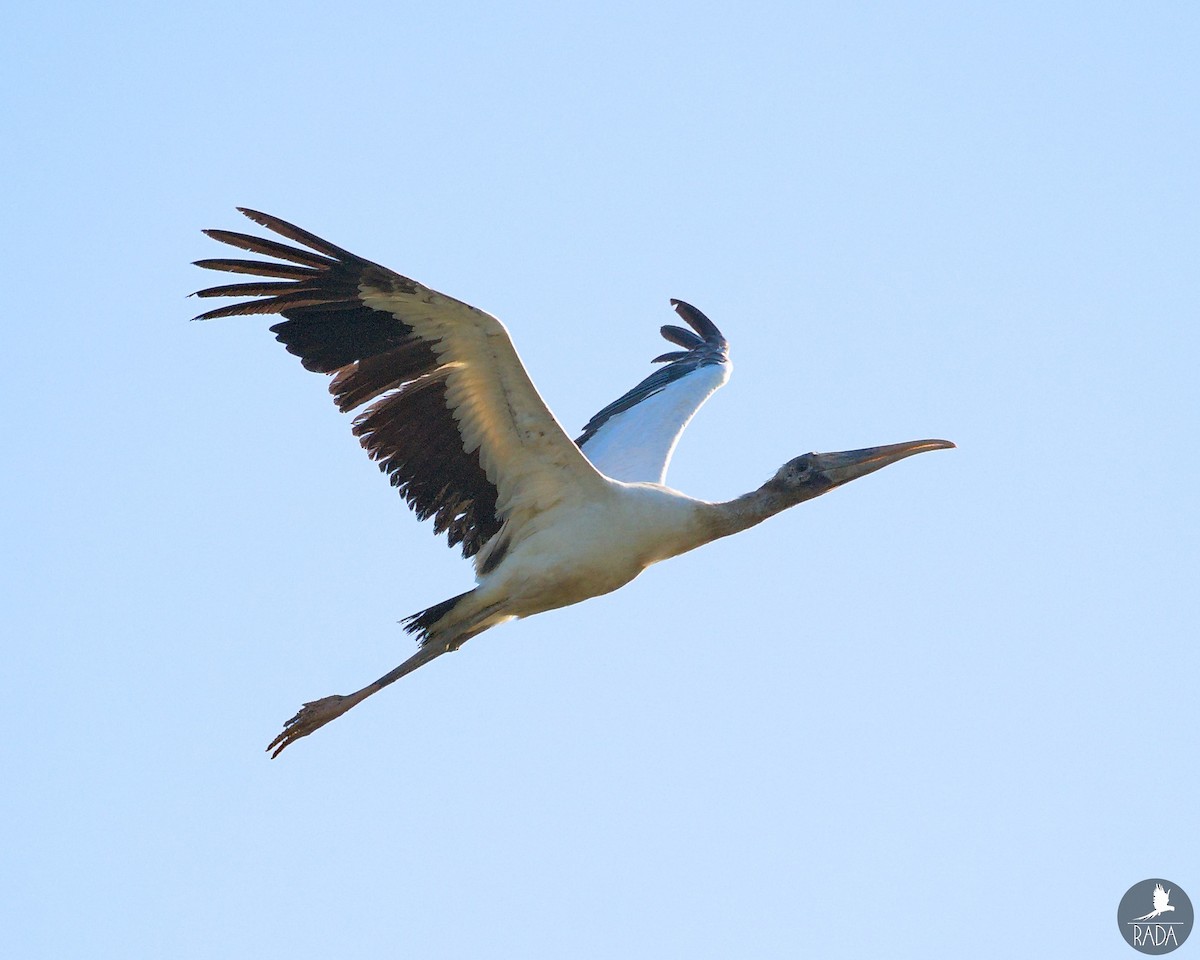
(314, 715)
(317, 713)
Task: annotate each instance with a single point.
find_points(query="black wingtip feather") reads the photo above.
(270, 248)
(267, 289)
(259, 268)
(295, 233)
(697, 321)
(681, 337)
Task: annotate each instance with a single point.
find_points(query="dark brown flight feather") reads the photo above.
(269, 248)
(680, 336)
(268, 289)
(259, 268)
(373, 356)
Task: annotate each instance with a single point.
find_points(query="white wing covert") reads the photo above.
(633, 438)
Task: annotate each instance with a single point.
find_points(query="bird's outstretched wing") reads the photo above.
(454, 419)
(632, 439)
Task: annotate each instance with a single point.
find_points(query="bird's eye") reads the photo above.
(801, 465)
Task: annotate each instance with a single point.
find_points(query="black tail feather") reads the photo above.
(421, 623)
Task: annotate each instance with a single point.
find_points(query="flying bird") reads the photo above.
(1161, 903)
(452, 417)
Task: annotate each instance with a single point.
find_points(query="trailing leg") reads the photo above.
(317, 713)
(440, 629)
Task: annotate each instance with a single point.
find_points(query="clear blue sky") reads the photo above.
(947, 711)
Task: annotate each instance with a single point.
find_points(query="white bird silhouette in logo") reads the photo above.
(1161, 905)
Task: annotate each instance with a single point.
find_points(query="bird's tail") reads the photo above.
(421, 624)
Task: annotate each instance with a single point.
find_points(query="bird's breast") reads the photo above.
(595, 549)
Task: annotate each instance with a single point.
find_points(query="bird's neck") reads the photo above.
(748, 510)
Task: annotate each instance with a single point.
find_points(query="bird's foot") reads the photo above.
(312, 716)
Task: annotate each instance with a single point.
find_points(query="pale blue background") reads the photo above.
(949, 711)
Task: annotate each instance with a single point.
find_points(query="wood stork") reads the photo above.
(458, 426)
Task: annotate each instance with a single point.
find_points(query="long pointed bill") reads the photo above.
(849, 465)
